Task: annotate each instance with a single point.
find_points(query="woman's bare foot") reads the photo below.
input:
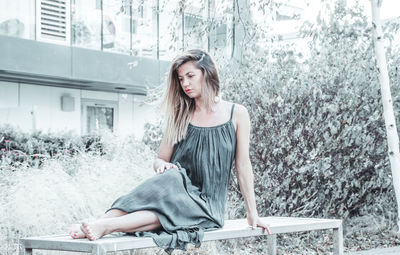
(94, 230)
(75, 231)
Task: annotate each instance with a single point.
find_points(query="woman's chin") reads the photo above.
(191, 95)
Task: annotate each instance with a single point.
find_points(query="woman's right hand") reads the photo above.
(163, 165)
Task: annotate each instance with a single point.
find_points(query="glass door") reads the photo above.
(98, 116)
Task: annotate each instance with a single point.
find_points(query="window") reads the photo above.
(195, 24)
(221, 27)
(287, 12)
(17, 18)
(218, 36)
(52, 21)
(98, 115)
(116, 26)
(144, 29)
(86, 24)
(195, 31)
(170, 29)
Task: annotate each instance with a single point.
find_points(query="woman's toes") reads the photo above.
(90, 236)
(86, 229)
(94, 230)
(75, 232)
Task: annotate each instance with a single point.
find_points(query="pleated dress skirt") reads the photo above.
(191, 199)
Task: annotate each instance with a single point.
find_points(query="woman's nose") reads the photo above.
(185, 82)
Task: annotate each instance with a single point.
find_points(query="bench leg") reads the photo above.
(25, 251)
(98, 250)
(271, 240)
(338, 241)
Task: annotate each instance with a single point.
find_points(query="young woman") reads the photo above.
(203, 136)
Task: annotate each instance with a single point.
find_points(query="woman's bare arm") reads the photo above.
(164, 156)
(244, 169)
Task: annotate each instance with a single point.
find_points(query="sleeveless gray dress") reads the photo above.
(191, 199)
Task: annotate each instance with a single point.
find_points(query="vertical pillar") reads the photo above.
(25, 251)
(338, 240)
(22, 249)
(271, 241)
(98, 250)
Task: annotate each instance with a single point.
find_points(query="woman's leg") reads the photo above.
(131, 222)
(75, 229)
(114, 213)
(118, 213)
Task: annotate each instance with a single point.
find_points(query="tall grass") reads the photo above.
(67, 189)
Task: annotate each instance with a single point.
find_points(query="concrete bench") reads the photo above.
(232, 229)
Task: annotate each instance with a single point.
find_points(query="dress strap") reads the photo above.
(233, 107)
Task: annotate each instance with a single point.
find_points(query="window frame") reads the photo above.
(98, 103)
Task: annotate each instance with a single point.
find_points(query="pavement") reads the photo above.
(380, 251)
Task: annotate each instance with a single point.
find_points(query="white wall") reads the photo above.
(125, 116)
(35, 107)
(8, 94)
(143, 113)
(10, 112)
(44, 102)
(100, 95)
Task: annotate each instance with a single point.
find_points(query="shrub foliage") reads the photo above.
(318, 145)
(18, 148)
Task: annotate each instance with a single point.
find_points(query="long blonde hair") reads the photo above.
(179, 107)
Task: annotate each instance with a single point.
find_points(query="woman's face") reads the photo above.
(191, 79)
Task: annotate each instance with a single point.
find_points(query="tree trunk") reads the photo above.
(390, 122)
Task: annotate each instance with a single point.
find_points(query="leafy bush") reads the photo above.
(318, 144)
(18, 148)
(153, 135)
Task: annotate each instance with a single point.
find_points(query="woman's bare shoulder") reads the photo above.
(240, 111)
(238, 107)
(240, 114)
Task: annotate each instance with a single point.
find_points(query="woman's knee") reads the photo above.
(151, 217)
(115, 213)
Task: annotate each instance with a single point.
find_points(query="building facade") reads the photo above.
(85, 65)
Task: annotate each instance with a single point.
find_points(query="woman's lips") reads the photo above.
(188, 90)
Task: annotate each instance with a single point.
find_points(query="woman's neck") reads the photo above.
(200, 106)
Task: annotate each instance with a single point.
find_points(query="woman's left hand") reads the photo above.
(254, 221)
